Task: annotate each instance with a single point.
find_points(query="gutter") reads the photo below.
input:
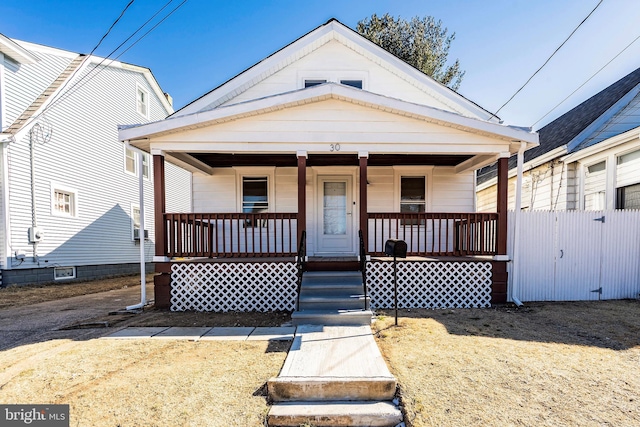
(516, 234)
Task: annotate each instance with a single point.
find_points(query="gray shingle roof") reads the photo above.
(566, 127)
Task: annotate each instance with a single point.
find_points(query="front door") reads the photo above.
(335, 216)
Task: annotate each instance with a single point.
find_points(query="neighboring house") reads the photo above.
(329, 136)
(69, 189)
(588, 158)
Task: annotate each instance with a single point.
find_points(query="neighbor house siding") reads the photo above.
(332, 62)
(84, 154)
(25, 82)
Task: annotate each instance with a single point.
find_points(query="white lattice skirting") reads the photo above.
(222, 286)
(430, 284)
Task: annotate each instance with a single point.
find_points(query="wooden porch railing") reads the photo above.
(435, 234)
(230, 234)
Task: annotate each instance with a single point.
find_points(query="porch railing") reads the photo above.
(435, 234)
(230, 234)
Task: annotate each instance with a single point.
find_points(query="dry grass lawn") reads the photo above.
(551, 364)
(147, 382)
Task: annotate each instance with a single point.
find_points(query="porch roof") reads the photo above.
(438, 136)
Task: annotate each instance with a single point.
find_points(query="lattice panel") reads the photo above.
(222, 287)
(430, 284)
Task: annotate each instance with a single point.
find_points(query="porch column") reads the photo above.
(162, 280)
(503, 178)
(499, 277)
(159, 203)
(302, 194)
(364, 220)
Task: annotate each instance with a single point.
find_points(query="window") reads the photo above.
(63, 201)
(310, 83)
(135, 223)
(595, 186)
(626, 158)
(412, 196)
(628, 197)
(142, 102)
(255, 196)
(131, 163)
(62, 273)
(354, 83)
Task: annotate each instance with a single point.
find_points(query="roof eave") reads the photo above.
(325, 91)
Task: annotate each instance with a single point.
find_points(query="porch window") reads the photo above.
(255, 197)
(412, 196)
(595, 186)
(628, 197)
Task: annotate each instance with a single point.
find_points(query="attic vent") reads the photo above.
(353, 83)
(309, 83)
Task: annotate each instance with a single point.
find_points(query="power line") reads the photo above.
(547, 61)
(111, 27)
(89, 76)
(587, 81)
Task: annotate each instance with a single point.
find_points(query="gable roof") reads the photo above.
(50, 93)
(318, 93)
(334, 30)
(573, 127)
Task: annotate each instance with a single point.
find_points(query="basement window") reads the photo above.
(64, 273)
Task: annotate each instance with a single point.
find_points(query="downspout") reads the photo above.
(516, 235)
(34, 218)
(143, 284)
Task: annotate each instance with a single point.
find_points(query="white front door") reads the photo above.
(335, 215)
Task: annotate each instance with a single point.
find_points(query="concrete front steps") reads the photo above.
(333, 376)
(332, 298)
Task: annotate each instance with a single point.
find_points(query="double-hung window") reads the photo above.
(412, 196)
(255, 197)
(131, 163)
(142, 102)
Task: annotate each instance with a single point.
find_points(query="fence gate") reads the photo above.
(578, 255)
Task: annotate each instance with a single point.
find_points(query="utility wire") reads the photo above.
(547, 61)
(111, 27)
(587, 81)
(89, 76)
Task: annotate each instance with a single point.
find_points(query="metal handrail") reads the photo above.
(363, 266)
(302, 253)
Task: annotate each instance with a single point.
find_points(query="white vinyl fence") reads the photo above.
(576, 255)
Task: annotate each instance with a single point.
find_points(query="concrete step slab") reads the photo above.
(333, 363)
(356, 317)
(336, 413)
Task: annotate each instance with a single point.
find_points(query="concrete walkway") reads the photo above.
(333, 376)
(281, 333)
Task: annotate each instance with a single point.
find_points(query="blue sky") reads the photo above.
(499, 43)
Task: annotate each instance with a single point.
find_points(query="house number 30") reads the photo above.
(334, 147)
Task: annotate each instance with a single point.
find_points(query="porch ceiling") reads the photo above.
(221, 160)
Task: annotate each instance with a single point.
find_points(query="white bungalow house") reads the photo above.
(329, 138)
(69, 205)
(588, 158)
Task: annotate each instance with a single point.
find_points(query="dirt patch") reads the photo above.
(16, 296)
(544, 364)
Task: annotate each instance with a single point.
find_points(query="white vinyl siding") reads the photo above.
(338, 60)
(85, 140)
(25, 82)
